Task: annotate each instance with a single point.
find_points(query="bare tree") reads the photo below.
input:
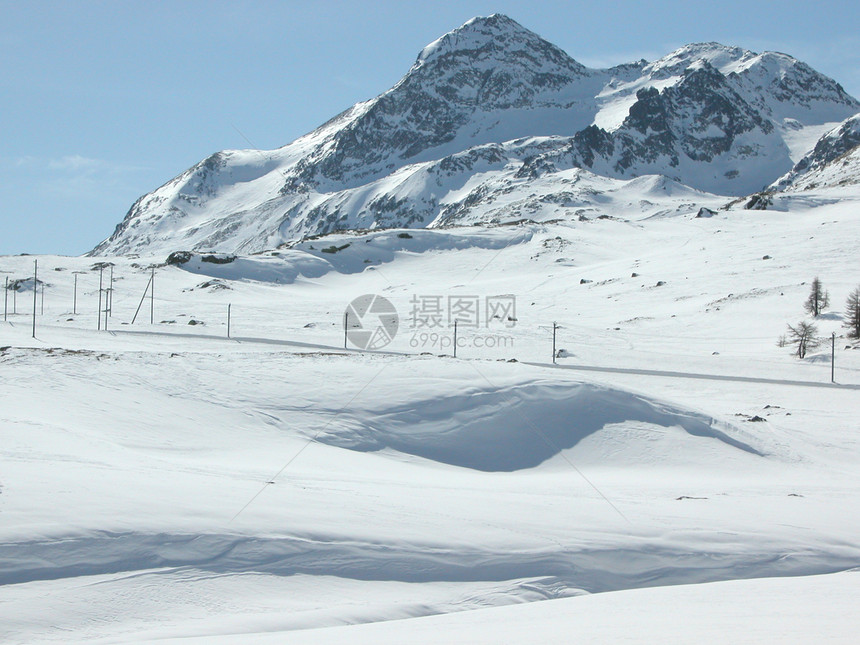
(804, 335)
(818, 298)
(852, 313)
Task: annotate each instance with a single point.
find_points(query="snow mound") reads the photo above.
(525, 425)
(277, 269)
(346, 253)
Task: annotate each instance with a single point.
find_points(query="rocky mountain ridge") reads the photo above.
(835, 160)
(493, 122)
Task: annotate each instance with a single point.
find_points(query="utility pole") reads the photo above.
(35, 292)
(228, 320)
(833, 357)
(6, 299)
(554, 328)
(152, 298)
(101, 270)
(455, 338)
(345, 326)
(75, 298)
(110, 296)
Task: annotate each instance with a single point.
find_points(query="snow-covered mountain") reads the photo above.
(833, 162)
(494, 123)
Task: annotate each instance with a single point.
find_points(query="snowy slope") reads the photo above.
(794, 611)
(487, 101)
(834, 161)
(163, 481)
(628, 452)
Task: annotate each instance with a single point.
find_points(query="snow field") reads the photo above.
(135, 496)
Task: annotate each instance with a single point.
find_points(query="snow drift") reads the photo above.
(523, 426)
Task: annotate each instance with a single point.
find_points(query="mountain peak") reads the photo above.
(491, 38)
(710, 47)
(475, 33)
(715, 54)
(497, 21)
(485, 107)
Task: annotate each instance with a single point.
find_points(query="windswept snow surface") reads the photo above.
(783, 610)
(161, 481)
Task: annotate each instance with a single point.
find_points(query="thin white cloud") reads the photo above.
(76, 163)
(605, 61)
(68, 165)
(20, 162)
(71, 176)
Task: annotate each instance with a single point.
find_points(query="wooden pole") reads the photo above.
(75, 298)
(455, 338)
(554, 328)
(35, 292)
(152, 298)
(833, 357)
(228, 320)
(101, 270)
(6, 298)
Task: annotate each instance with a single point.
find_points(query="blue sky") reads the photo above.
(101, 102)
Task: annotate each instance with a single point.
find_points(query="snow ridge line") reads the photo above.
(593, 569)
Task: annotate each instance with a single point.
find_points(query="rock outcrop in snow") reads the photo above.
(494, 123)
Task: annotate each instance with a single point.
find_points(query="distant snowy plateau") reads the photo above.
(192, 451)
